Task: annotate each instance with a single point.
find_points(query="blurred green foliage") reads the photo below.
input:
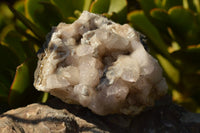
(172, 28)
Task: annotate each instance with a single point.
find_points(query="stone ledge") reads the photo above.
(58, 117)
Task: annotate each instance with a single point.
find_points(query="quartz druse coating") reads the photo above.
(101, 65)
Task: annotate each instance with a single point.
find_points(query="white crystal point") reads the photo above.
(101, 65)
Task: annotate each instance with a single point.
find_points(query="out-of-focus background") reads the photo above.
(171, 31)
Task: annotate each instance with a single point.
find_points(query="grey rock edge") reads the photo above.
(59, 117)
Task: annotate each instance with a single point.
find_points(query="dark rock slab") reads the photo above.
(59, 117)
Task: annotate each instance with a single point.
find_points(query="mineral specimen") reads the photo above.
(101, 65)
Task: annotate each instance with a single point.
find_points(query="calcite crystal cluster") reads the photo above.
(101, 65)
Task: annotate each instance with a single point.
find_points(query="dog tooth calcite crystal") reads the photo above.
(101, 65)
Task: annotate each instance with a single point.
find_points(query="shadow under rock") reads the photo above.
(111, 123)
(165, 116)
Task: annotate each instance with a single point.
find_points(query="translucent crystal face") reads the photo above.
(101, 65)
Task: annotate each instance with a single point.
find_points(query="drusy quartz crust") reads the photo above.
(101, 65)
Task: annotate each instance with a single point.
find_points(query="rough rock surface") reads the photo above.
(59, 117)
(38, 118)
(101, 65)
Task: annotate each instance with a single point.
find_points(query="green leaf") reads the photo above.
(167, 4)
(190, 81)
(5, 80)
(118, 7)
(31, 6)
(13, 41)
(184, 26)
(158, 3)
(43, 14)
(4, 85)
(181, 19)
(172, 72)
(160, 15)
(6, 15)
(28, 23)
(197, 5)
(30, 37)
(197, 17)
(22, 90)
(3, 93)
(7, 68)
(100, 6)
(19, 6)
(87, 5)
(192, 5)
(147, 5)
(8, 58)
(45, 97)
(20, 83)
(160, 19)
(189, 58)
(67, 7)
(141, 22)
(114, 9)
(6, 76)
(48, 17)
